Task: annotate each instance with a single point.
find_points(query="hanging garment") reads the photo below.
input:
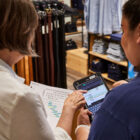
(45, 37)
(56, 51)
(93, 16)
(62, 51)
(104, 16)
(87, 13)
(40, 59)
(52, 40)
(51, 48)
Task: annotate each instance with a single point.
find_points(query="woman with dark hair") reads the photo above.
(119, 115)
(22, 113)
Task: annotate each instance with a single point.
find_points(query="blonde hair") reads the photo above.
(18, 21)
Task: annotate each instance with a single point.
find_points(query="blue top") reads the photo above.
(119, 116)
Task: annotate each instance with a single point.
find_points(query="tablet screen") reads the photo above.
(97, 91)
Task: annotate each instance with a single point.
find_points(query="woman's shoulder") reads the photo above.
(12, 87)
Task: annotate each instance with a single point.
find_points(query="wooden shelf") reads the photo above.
(104, 75)
(107, 37)
(73, 33)
(101, 36)
(103, 56)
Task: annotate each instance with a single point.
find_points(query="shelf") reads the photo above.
(73, 33)
(104, 75)
(103, 56)
(107, 37)
(101, 36)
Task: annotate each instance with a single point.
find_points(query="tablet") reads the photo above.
(97, 90)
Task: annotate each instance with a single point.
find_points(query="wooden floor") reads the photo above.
(73, 76)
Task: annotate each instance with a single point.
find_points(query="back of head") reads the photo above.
(131, 10)
(18, 21)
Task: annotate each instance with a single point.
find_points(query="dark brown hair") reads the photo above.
(18, 21)
(131, 10)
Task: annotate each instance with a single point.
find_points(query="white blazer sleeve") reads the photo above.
(61, 134)
(29, 121)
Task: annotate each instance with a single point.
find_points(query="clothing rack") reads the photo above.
(50, 67)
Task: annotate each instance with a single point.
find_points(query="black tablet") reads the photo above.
(97, 90)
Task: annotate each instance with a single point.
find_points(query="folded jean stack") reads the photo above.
(99, 65)
(115, 52)
(99, 47)
(116, 72)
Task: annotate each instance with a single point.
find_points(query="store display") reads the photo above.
(99, 46)
(103, 16)
(116, 72)
(115, 52)
(86, 13)
(70, 44)
(55, 4)
(70, 27)
(78, 4)
(50, 66)
(99, 65)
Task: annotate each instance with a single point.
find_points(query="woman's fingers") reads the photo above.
(76, 99)
(80, 91)
(119, 83)
(81, 104)
(83, 117)
(85, 111)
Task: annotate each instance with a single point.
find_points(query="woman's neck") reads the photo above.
(10, 57)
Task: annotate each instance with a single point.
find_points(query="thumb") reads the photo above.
(82, 109)
(89, 113)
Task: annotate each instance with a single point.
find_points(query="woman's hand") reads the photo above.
(83, 117)
(118, 83)
(83, 122)
(75, 101)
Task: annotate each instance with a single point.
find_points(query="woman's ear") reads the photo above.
(138, 40)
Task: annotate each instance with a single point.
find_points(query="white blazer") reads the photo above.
(22, 114)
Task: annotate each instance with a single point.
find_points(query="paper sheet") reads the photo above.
(53, 99)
